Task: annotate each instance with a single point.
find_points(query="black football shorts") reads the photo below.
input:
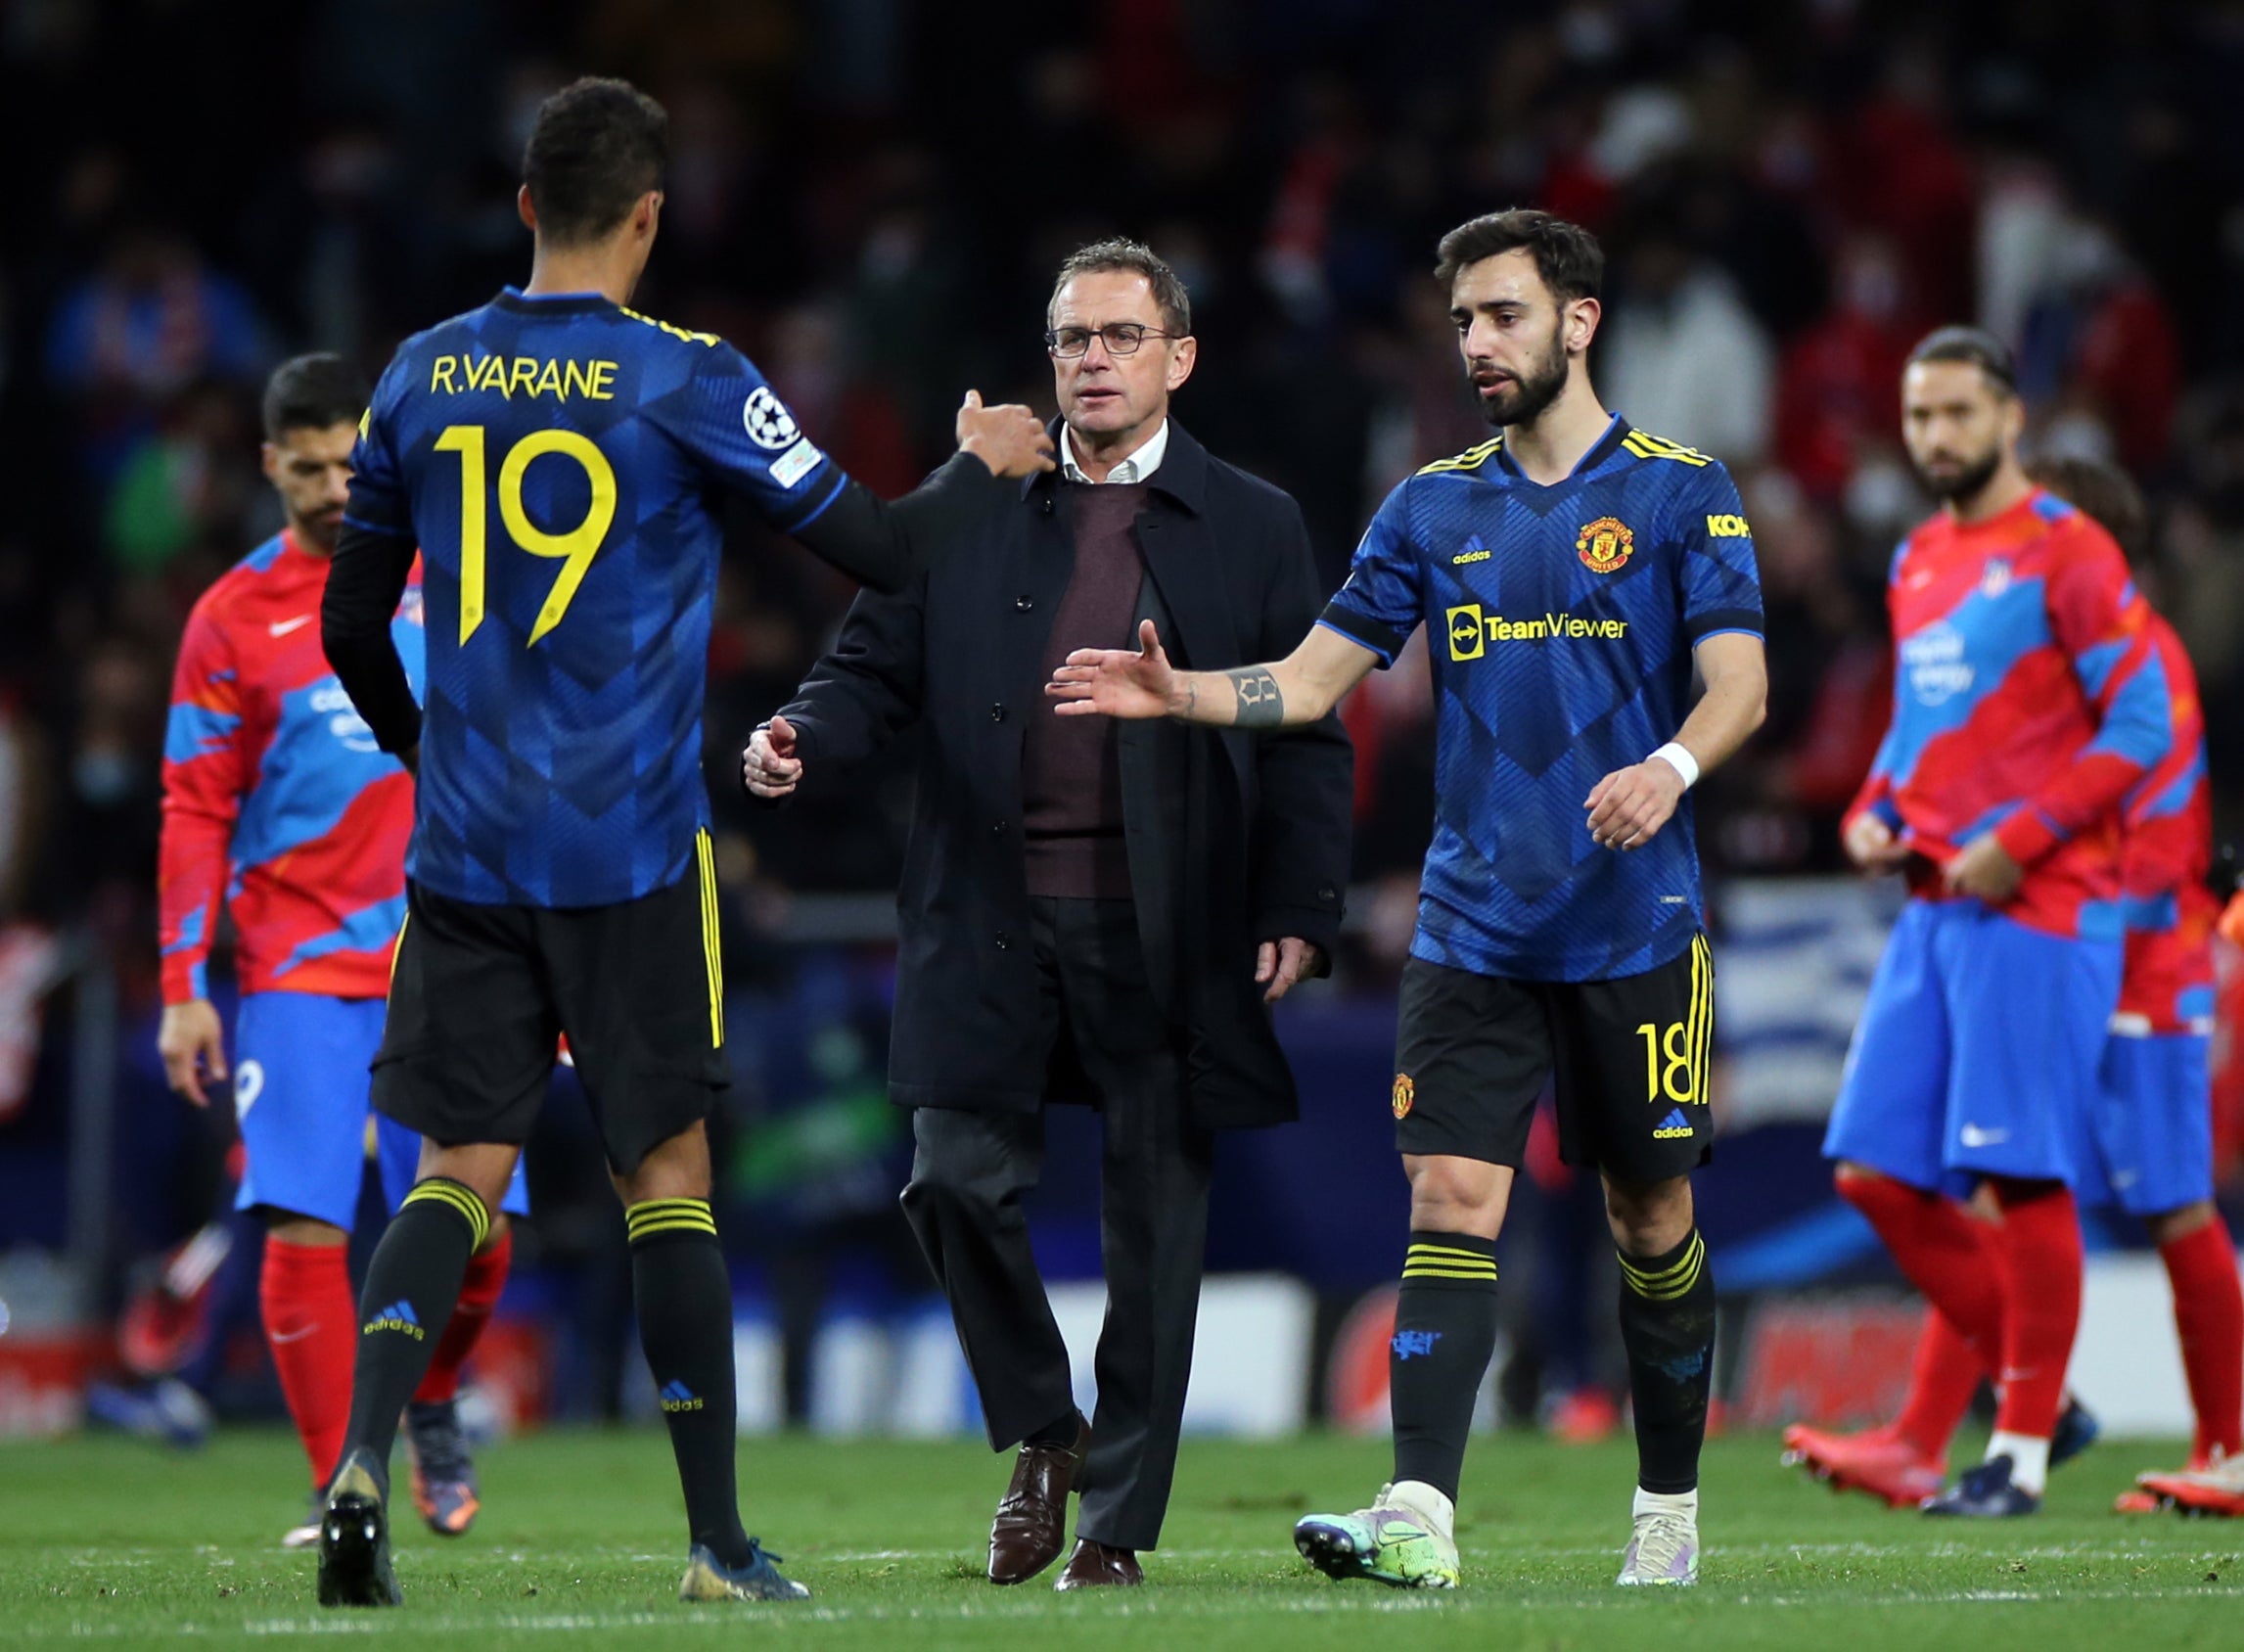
(1627, 1061)
(481, 995)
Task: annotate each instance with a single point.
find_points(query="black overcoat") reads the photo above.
(1233, 839)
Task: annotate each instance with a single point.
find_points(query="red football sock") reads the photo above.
(1943, 1252)
(1942, 1384)
(2209, 1312)
(479, 1295)
(311, 1324)
(2039, 1244)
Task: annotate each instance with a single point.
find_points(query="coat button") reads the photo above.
(1023, 602)
(998, 711)
(998, 830)
(1004, 940)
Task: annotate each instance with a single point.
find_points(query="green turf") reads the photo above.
(581, 1545)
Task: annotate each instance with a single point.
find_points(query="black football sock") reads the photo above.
(684, 1299)
(1668, 1326)
(411, 1284)
(1445, 1336)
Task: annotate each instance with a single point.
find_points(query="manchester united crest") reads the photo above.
(1604, 546)
(1406, 1092)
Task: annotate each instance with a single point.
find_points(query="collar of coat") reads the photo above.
(1182, 476)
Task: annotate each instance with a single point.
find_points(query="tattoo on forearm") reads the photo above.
(1261, 704)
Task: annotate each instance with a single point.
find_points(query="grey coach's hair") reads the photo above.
(1119, 253)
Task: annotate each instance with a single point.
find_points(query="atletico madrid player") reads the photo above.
(2028, 706)
(277, 802)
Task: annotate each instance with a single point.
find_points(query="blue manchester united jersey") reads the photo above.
(559, 461)
(1561, 621)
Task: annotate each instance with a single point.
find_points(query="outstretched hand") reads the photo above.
(1115, 682)
(1009, 439)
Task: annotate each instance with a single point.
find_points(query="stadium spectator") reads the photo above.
(1683, 352)
(1835, 389)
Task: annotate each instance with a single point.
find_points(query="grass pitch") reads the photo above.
(581, 1543)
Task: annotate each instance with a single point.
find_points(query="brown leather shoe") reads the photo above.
(1094, 1565)
(1032, 1516)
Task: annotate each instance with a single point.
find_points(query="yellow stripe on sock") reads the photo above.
(668, 1216)
(673, 1224)
(712, 951)
(1671, 1281)
(1451, 1251)
(1423, 1273)
(651, 1209)
(1682, 1264)
(440, 1192)
(674, 1219)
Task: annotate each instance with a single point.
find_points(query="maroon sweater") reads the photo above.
(1071, 770)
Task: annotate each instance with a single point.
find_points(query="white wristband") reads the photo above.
(1680, 760)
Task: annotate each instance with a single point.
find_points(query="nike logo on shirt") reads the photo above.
(282, 628)
(1971, 1136)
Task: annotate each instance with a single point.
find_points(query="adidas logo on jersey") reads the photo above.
(1674, 1126)
(676, 1397)
(397, 1316)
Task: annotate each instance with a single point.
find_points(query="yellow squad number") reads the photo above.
(1675, 1055)
(574, 550)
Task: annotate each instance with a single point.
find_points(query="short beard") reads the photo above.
(1528, 398)
(1965, 485)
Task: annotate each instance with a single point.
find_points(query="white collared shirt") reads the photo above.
(1138, 466)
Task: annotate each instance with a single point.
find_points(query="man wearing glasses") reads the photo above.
(1090, 910)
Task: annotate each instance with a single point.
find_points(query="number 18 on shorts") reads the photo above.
(1625, 1059)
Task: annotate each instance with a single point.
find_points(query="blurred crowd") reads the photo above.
(868, 197)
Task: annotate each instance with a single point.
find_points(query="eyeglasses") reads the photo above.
(1121, 337)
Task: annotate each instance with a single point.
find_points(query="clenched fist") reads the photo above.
(769, 767)
(1010, 438)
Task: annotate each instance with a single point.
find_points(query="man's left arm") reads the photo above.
(1717, 596)
(2102, 624)
(366, 580)
(1301, 833)
(1628, 807)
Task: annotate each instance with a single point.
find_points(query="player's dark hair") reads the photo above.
(1119, 253)
(313, 392)
(1973, 345)
(1566, 256)
(2103, 490)
(597, 146)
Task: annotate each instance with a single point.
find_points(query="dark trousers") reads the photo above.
(970, 1171)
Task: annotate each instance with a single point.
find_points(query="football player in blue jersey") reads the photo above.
(1573, 571)
(557, 459)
